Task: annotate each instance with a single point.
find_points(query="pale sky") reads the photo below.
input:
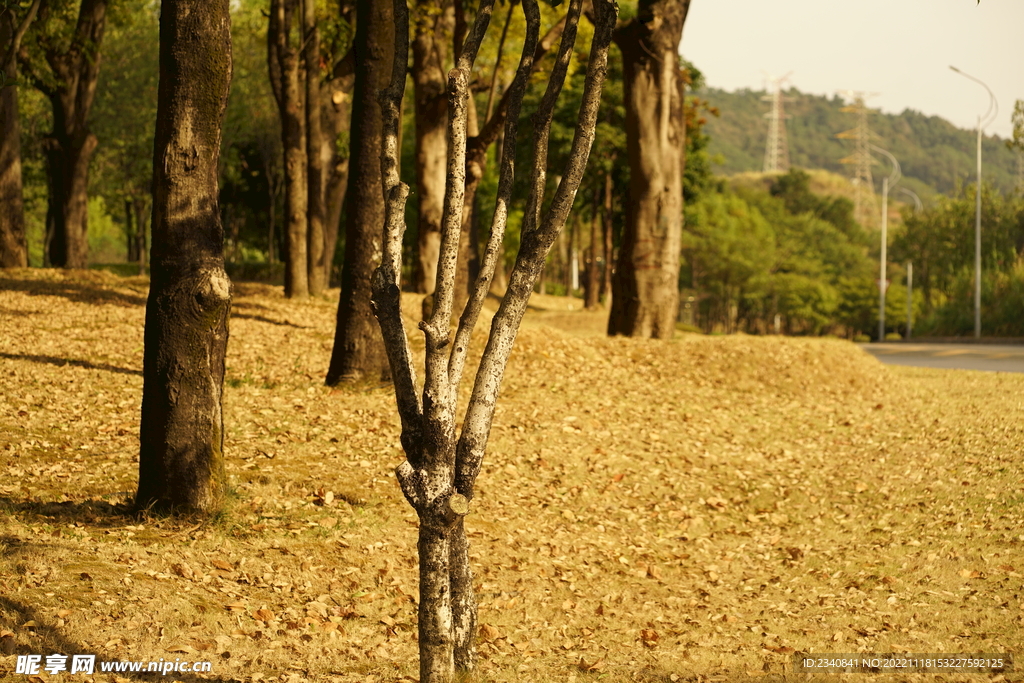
(900, 49)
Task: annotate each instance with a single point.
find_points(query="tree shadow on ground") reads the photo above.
(44, 637)
(74, 290)
(95, 513)
(264, 319)
(62, 362)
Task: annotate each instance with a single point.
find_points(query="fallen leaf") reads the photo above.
(221, 564)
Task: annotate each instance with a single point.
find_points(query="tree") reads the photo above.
(63, 62)
(439, 473)
(181, 459)
(434, 26)
(318, 265)
(358, 349)
(645, 287)
(13, 244)
(283, 60)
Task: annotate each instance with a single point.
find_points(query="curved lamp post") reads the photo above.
(983, 121)
(910, 269)
(891, 181)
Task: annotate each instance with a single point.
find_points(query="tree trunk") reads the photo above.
(140, 232)
(590, 296)
(645, 288)
(609, 245)
(318, 266)
(337, 112)
(75, 67)
(283, 61)
(181, 460)
(434, 26)
(13, 243)
(358, 348)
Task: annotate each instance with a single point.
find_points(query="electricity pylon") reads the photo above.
(776, 148)
(865, 208)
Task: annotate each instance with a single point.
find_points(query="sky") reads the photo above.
(899, 49)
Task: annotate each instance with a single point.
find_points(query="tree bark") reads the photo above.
(283, 61)
(181, 460)
(70, 86)
(337, 111)
(358, 348)
(609, 246)
(13, 241)
(318, 266)
(590, 299)
(645, 287)
(434, 22)
(438, 475)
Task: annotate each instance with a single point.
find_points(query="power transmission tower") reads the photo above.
(865, 207)
(776, 148)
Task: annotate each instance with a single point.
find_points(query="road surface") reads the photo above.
(989, 357)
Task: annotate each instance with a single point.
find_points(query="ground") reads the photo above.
(693, 510)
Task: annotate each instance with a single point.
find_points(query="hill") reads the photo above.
(934, 154)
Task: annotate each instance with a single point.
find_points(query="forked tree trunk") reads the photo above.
(181, 460)
(13, 241)
(645, 288)
(70, 86)
(283, 61)
(358, 349)
(442, 463)
(317, 246)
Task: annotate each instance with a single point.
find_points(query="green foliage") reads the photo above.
(750, 254)
(935, 155)
(940, 242)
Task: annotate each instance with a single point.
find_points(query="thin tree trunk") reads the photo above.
(590, 296)
(433, 26)
(358, 348)
(645, 298)
(13, 241)
(317, 267)
(181, 459)
(609, 246)
(283, 60)
(337, 111)
(70, 86)
(140, 206)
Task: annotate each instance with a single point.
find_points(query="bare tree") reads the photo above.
(441, 465)
(645, 287)
(181, 458)
(13, 242)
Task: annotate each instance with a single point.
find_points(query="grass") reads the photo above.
(694, 510)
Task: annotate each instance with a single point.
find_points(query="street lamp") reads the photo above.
(983, 121)
(891, 181)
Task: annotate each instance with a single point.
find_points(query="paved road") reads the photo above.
(990, 357)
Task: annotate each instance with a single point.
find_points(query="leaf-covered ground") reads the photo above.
(694, 510)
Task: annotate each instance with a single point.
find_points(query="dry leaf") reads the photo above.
(235, 607)
(588, 668)
(221, 564)
(489, 633)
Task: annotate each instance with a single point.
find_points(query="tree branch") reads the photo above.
(533, 250)
(19, 33)
(517, 91)
(385, 288)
